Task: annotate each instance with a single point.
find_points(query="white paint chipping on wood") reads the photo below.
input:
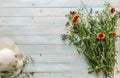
(36, 27)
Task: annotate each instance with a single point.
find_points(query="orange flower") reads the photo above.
(112, 10)
(100, 35)
(113, 33)
(72, 12)
(74, 19)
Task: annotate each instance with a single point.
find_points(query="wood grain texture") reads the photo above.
(39, 39)
(36, 27)
(39, 12)
(23, 30)
(32, 30)
(35, 21)
(53, 3)
(50, 75)
(46, 50)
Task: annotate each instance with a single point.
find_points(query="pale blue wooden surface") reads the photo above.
(36, 27)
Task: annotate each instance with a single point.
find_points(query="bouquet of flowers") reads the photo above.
(94, 35)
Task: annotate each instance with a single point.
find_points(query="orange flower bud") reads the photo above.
(113, 33)
(100, 35)
(74, 19)
(112, 10)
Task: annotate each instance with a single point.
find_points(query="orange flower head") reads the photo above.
(113, 33)
(74, 19)
(112, 10)
(73, 12)
(100, 35)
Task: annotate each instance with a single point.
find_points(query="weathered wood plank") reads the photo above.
(32, 30)
(25, 12)
(53, 3)
(59, 50)
(52, 59)
(52, 75)
(39, 39)
(49, 75)
(75, 3)
(15, 1)
(44, 12)
(48, 67)
(74, 66)
(35, 30)
(35, 21)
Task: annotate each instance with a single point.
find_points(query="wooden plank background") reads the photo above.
(36, 27)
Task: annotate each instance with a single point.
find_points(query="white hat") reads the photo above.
(11, 58)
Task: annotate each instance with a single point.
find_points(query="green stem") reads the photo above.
(97, 75)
